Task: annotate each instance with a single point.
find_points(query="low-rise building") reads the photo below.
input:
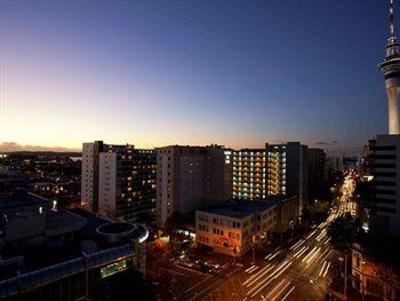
(62, 255)
(231, 228)
(373, 278)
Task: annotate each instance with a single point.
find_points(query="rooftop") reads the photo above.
(240, 208)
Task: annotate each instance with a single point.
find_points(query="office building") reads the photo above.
(228, 174)
(287, 171)
(189, 177)
(317, 173)
(385, 185)
(118, 181)
(249, 174)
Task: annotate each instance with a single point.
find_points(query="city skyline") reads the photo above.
(156, 74)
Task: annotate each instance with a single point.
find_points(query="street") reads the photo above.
(297, 272)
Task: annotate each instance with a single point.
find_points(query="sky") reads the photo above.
(154, 73)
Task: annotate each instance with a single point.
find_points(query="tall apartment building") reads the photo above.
(249, 174)
(118, 181)
(189, 177)
(385, 186)
(127, 185)
(287, 170)
(317, 173)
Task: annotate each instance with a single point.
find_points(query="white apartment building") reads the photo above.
(118, 181)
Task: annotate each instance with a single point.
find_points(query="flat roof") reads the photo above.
(240, 208)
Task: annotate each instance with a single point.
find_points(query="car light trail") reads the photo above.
(258, 275)
(312, 257)
(311, 234)
(250, 268)
(326, 270)
(288, 293)
(297, 244)
(282, 290)
(309, 254)
(281, 270)
(301, 251)
(322, 268)
(273, 256)
(274, 289)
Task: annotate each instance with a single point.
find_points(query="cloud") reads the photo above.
(328, 143)
(16, 147)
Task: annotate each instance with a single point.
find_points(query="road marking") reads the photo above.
(190, 270)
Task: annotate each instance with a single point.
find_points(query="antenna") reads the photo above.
(391, 18)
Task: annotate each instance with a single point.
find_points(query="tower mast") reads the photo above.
(390, 67)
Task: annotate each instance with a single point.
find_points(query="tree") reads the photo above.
(172, 223)
(343, 232)
(316, 213)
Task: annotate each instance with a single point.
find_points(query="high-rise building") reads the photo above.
(228, 174)
(118, 181)
(390, 68)
(249, 174)
(287, 170)
(384, 150)
(189, 177)
(385, 186)
(90, 174)
(127, 185)
(317, 172)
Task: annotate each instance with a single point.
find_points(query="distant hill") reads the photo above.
(8, 147)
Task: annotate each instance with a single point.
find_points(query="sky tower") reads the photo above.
(391, 69)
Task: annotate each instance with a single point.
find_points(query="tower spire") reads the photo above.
(391, 19)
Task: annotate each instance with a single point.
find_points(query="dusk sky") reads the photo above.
(153, 73)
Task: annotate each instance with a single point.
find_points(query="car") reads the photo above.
(204, 267)
(212, 264)
(187, 264)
